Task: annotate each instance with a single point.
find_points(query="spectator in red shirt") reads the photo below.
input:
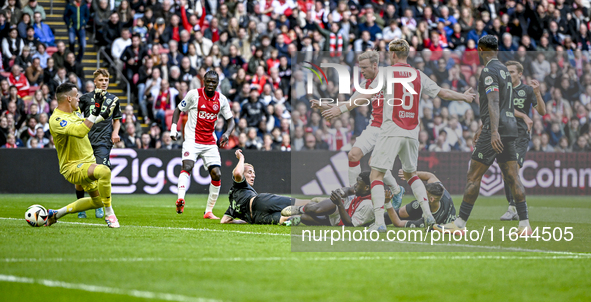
(19, 80)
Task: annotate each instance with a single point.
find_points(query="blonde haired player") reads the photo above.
(77, 162)
(399, 131)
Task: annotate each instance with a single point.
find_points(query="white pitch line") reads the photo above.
(283, 259)
(105, 289)
(327, 239)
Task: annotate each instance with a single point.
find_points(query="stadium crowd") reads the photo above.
(165, 47)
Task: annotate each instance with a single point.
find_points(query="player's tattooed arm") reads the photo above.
(494, 112)
(523, 116)
(541, 106)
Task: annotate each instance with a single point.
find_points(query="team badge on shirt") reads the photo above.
(215, 107)
(63, 123)
(503, 75)
(488, 80)
(521, 93)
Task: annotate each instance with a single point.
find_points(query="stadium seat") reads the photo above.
(32, 90)
(51, 50)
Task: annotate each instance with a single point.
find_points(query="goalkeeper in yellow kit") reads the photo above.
(76, 158)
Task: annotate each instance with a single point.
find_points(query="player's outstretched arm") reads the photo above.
(335, 111)
(317, 104)
(424, 176)
(468, 96)
(395, 219)
(227, 219)
(238, 172)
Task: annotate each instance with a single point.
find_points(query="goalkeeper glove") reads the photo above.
(98, 100)
(107, 109)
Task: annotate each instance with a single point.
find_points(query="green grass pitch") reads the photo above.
(158, 255)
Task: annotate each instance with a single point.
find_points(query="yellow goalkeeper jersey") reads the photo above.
(70, 136)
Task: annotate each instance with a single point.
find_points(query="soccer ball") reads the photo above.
(36, 215)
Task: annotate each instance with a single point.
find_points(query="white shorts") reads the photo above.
(388, 147)
(367, 140)
(209, 153)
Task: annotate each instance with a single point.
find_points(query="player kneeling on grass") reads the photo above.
(248, 206)
(76, 157)
(440, 203)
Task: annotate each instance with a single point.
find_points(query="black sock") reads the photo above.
(509, 195)
(79, 194)
(465, 210)
(522, 210)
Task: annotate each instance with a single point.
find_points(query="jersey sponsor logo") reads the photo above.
(406, 114)
(488, 80)
(63, 123)
(519, 102)
(216, 107)
(79, 165)
(521, 93)
(207, 116)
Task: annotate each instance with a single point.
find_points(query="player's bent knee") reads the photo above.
(355, 154)
(102, 172)
(215, 172)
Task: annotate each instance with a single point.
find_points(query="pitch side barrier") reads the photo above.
(320, 172)
(139, 171)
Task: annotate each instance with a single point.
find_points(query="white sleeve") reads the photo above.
(225, 107)
(188, 101)
(428, 86)
(364, 214)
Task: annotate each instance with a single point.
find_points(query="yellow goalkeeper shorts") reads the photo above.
(78, 175)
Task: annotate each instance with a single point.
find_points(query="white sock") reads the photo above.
(214, 192)
(184, 179)
(354, 172)
(109, 211)
(62, 212)
(513, 209)
(418, 189)
(377, 198)
(460, 223)
(524, 223)
(390, 181)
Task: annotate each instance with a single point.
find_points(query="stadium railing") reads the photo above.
(111, 63)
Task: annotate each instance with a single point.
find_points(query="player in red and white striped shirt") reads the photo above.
(203, 106)
(399, 131)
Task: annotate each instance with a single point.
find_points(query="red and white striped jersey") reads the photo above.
(377, 108)
(203, 114)
(401, 108)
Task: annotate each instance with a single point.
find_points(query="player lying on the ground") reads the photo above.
(440, 204)
(350, 206)
(76, 158)
(203, 105)
(248, 206)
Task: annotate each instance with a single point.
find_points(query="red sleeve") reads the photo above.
(202, 18)
(186, 23)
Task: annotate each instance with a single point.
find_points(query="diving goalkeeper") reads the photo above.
(77, 162)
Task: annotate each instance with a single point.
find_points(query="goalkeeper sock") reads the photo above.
(377, 198)
(79, 205)
(354, 171)
(103, 174)
(420, 192)
(391, 182)
(214, 191)
(183, 185)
